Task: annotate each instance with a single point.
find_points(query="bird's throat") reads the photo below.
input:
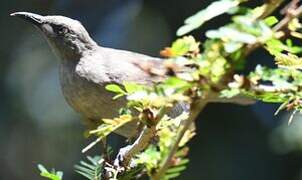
(71, 50)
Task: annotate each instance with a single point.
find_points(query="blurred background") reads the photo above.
(37, 126)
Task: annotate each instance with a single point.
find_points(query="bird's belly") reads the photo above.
(91, 100)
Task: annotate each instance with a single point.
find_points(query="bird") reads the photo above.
(85, 68)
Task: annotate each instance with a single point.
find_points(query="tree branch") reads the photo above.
(280, 26)
(195, 109)
(270, 89)
(291, 14)
(270, 7)
(126, 153)
(240, 100)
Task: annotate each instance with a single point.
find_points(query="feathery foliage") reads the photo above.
(92, 169)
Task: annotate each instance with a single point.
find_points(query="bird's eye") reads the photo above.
(60, 30)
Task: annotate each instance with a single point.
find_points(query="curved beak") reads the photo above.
(34, 19)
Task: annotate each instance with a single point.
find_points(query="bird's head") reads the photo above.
(67, 36)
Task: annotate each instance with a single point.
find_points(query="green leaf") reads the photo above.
(231, 47)
(171, 176)
(53, 175)
(289, 61)
(150, 158)
(231, 34)
(276, 46)
(176, 83)
(271, 20)
(271, 98)
(229, 93)
(131, 173)
(118, 96)
(115, 88)
(176, 169)
(183, 161)
(215, 9)
(132, 87)
(110, 125)
(92, 169)
(181, 47)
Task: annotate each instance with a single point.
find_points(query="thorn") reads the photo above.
(91, 145)
(291, 117)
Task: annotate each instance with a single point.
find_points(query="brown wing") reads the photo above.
(151, 66)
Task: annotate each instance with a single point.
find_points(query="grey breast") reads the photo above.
(88, 98)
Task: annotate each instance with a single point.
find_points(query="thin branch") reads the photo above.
(195, 109)
(240, 100)
(104, 149)
(292, 5)
(126, 153)
(270, 7)
(270, 89)
(292, 13)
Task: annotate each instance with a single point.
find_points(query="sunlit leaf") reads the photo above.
(271, 20)
(53, 175)
(115, 88)
(294, 24)
(132, 87)
(229, 93)
(110, 125)
(290, 61)
(181, 47)
(215, 9)
(231, 34)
